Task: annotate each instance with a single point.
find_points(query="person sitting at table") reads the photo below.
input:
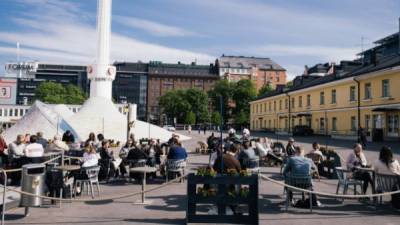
(91, 139)
(386, 164)
(107, 156)
(357, 159)
(229, 160)
(34, 151)
(16, 157)
(316, 150)
(263, 149)
(27, 138)
(89, 160)
(68, 137)
(176, 150)
(57, 145)
(298, 165)
(290, 148)
(100, 139)
(41, 140)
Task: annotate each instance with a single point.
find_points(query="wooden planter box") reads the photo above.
(222, 199)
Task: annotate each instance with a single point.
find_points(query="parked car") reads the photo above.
(302, 130)
(169, 127)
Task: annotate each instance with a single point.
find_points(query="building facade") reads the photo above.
(165, 77)
(130, 86)
(361, 93)
(261, 71)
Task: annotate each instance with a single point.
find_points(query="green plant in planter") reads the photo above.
(244, 191)
(232, 193)
(231, 172)
(206, 172)
(244, 173)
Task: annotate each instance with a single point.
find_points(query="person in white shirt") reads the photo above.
(316, 150)
(57, 145)
(386, 164)
(90, 157)
(16, 148)
(357, 159)
(34, 150)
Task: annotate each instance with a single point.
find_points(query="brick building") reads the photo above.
(164, 77)
(261, 70)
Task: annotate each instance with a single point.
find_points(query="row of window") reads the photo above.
(352, 97)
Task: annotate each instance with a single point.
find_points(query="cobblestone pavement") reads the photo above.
(169, 204)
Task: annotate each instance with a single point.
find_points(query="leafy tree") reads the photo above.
(174, 104)
(190, 118)
(74, 95)
(244, 92)
(216, 118)
(55, 93)
(242, 118)
(198, 101)
(50, 92)
(289, 84)
(266, 88)
(225, 89)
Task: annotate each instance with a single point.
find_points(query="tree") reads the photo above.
(242, 118)
(74, 95)
(190, 118)
(174, 104)
(289, 84)
(55, 93)
(244, 92)
(216, 118)
(225, 89)
(198, 101)
(50, 92)
(265, 89)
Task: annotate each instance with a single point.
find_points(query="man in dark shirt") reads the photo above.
(290, 148)
(176, 151)
(68, 137)
(136, 154)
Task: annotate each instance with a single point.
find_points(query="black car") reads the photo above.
(302, 130)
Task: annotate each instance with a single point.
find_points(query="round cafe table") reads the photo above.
(69, 167)
(144, 170)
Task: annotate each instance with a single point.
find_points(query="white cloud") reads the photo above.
(152, 27)
(50, 38)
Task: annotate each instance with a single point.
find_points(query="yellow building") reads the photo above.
(366, 94)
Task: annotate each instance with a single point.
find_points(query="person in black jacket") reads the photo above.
(68, 137)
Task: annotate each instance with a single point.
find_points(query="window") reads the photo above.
(322, 98)
(352, 93)
(21, 112)
(256, 108)
(292, 104)
(367, 91)
(393, 124)
(5, 112)
(300, 121)
(333, 96)
(385, 88)
(286, 104)
(286, 123)
(308, 100)
(269, 106)
(1, 112)
(321, 124)
(274, 105)
(269, 123)
(300, 101)
(334, 121)
(353, 123)
(280, 104)
(367, 122)
(15, 112)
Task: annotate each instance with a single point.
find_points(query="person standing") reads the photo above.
(362, 136)
(290, 148)
(205, 128)
(189, 129)
(41, 140)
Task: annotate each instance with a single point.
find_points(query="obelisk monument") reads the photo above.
(102, 74)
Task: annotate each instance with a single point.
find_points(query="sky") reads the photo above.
(292, 33)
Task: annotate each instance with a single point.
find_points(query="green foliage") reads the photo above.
(190, 118)
(174, 104)
(242, 118)
(289, 84)
(55, 93)
(225, 89)
(216, 118)
(198, 101)
(265, 89)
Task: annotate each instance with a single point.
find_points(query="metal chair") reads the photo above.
(345, 181)
(175, 166)
(386, 183)
(92, 178)
(303, 182)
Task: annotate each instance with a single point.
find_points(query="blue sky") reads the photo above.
(293, 33)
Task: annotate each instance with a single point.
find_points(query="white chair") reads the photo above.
(175, 166)
(92, 179)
